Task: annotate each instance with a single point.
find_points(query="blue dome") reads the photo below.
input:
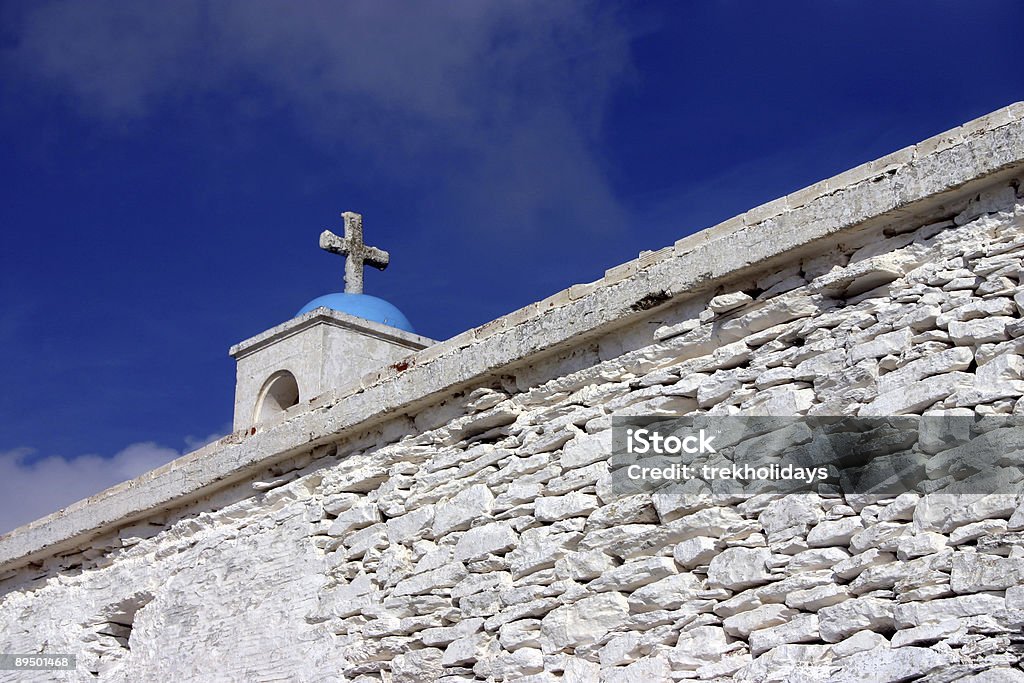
(362, 306)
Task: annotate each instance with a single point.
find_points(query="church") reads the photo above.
(394, 509)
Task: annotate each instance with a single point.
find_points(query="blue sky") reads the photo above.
(168, 167)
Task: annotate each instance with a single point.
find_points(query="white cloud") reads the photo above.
(30, 489)
(512, 94)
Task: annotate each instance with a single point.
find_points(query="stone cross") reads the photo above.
(355, 251)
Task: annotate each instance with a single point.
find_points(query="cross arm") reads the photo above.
(378, 258)
(332, 243)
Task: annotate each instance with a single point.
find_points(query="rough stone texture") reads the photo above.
(583, 622)
(454, 519)
(739, 568)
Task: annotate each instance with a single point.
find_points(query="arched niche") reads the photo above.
(279, 393)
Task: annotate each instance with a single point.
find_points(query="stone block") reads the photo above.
(462, 510)
(739, 568)
(584, 622)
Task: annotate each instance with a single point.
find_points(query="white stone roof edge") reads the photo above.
(909, 181)
(331, 316)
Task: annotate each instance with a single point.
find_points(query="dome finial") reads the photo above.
(355, 251)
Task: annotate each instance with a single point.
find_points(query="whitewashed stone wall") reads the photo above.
(479, 539)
